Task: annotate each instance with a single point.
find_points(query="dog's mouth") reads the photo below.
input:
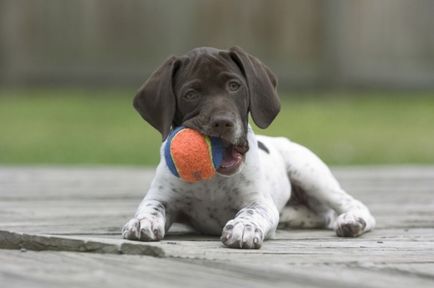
(233, 158)
(233, 154)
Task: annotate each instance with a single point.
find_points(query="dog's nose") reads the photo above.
(221, 124)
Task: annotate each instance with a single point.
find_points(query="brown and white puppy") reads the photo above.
(214, 91)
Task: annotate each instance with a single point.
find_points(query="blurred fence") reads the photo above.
(331, 43)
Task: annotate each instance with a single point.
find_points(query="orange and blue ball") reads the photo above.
(191, 155)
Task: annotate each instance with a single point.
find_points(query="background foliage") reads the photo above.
(56, 126)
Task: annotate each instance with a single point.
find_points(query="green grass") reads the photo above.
(101, 127)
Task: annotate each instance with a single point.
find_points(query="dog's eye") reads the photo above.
(233, 85)
(191, 95)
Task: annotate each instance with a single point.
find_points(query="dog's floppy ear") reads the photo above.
(155, 100)
(264, 101)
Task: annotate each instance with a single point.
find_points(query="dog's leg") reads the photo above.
(314, 178)
(251, 226)
(155, 214)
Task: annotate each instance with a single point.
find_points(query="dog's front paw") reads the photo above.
(144, 229)
(350, 225)
(241, 233)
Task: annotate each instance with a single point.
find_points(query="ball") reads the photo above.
(192, 156)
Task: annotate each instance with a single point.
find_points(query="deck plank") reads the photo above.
(83, 208)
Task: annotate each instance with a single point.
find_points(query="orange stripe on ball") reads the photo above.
(191, 155)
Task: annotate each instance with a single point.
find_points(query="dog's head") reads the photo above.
(212, 91)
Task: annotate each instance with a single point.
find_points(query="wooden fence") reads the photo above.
(308, 43)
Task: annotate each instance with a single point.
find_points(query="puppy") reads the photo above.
(263, 181)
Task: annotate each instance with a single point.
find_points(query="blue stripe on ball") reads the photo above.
(217, 151)
(168, 155)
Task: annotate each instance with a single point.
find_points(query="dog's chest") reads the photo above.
(208, 205)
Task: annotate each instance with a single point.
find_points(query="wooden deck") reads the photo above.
(49, 216)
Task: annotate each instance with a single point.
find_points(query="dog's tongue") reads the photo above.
(231, 157)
